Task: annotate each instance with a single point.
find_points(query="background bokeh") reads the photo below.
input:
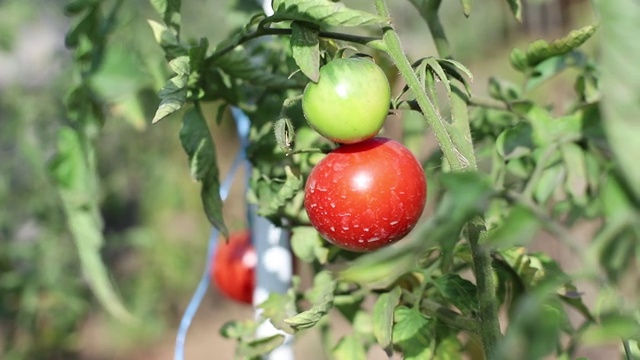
(155, 229)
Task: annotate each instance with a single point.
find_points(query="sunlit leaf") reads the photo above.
(349, 348)
(305, 49)
(323, 13)
(412, 334)
(383, 311)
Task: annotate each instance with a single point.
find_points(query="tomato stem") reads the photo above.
(266, 31)
(429, 12)
(489, 327)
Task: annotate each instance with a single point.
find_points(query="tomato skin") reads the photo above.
(365, 196)
(233, 267)
(350, 101)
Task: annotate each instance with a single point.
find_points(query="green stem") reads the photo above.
(266, 31)
(429, 12)
(489, 328)
(457, 160)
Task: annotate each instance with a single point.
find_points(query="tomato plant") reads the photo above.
(367, 195)
(233, 267)
(519, 161)
(350, 101)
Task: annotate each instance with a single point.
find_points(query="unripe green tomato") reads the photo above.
(350, 101)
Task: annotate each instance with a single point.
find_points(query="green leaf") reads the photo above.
(503, 90)
(540, 50)
(321, 296)
(198, 144)
(307, 245)
(277, 308)
(167, 40)
(323, 13)
(460, 292)
(550, 180)
(516, 8)
(73, 170)
(412, 334)
(553, 66)
(575, 165)
(381, 268)
(620, 81)
(515, 142)
(349, 348)
(517, 229)
(170, 12)
(174, 93)
(611, 328)
(518, 59)
(238, 329)
(255, 348)
(305, 49)
(383, 311)
(239, 64)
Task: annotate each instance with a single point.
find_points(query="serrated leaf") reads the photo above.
(167, 39)
(515, 142)
(460, 292)
(551, 178)
(170, 12)
(255, 348)
(235, 329)
(239, 64)
(277, 308)
(412, 334)
(454, 68)
(516, 8)
(383, 311)
(381, 268)
(305, 49)
(174, 93)
(323, 13)
(518, 59)
(574, 162)
(611, 328)
(198, 144)
(321, 296)
(540, 50)
(517, 229)
(349, 348)
(553, 66)
(436, 68)
(307, 245)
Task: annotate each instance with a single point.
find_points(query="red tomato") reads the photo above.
(367, 195)
(233, 268)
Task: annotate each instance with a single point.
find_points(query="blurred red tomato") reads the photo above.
(233, 267)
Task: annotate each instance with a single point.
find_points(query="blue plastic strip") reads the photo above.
(242, 126)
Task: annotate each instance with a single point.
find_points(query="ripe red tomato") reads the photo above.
(233, 267)
(350, 101)
(364, 196)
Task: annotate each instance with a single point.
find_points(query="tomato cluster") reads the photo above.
(369, 192)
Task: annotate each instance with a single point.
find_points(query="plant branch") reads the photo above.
(429, 11)
(487, 297)
(266, 31)
(391, 41)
